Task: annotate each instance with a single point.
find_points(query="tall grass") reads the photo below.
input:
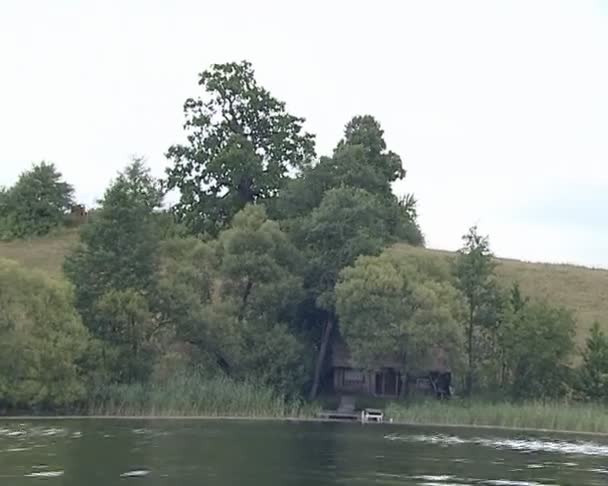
(193, 395)
(576, 417)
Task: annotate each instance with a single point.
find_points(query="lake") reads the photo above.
(257, 453)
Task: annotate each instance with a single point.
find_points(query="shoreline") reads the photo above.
(236, 418)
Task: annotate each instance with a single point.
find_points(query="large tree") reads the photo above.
(114, 267)
(360, 160)
(36, 204)
(348, 223)
(42, 340)
(475, 277)
(235, 300)
(242, 145)
(339, 209)
(408, 310)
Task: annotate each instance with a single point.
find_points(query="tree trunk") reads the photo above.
(329, 325)
(469, 379)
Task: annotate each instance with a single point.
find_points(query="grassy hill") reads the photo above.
(45, 254)
(584, 290)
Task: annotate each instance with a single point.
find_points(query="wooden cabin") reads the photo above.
(386, 379)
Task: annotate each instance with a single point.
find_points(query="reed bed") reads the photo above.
(191, 395)
(564, 416)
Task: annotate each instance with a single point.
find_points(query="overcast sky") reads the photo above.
(498, 109)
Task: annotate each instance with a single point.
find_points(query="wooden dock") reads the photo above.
(338, 415)
(346, 411)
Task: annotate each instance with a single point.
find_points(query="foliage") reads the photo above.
(475, 277)
(261, 287)
(242, 144)
(113, 270)
(41, 341)
(235, 299)
(593, 374)
(360, 161)
(36, 204)
(119, 249)
(391, 308)
(127, 325)
(538, 342)
(348, 223)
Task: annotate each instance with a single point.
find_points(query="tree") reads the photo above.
(593, 374)
(235, 299)
(117, 258)
(127, 324)
(37, 202)
(41, 341)
(260, 282)
(474, 272)
(391, 307)
(360, 160)
(539, 339)
(348, 223)
(511, 304)
(242, 144)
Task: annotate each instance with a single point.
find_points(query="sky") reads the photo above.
(498, 109)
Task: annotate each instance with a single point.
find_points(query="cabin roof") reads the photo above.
(342, 358)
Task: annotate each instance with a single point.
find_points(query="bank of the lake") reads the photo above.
(586, 419)
(555, 416)
(221, 398)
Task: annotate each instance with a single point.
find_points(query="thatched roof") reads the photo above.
(342, 358)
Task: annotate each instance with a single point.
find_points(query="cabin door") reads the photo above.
(390, 382)
(380, 384)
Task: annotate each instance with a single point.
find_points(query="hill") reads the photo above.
(583, 290)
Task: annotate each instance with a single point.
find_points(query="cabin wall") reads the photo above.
(352, 380)
(386, 382)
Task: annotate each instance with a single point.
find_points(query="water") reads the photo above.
(222, 453)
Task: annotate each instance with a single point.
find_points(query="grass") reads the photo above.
(583, 290)
(558, 416)
(46, 254)
(190, 395)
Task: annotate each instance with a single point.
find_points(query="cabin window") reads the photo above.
(353, 377)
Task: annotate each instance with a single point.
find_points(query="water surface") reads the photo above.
(221, 453)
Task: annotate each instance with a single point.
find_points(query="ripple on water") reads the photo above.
(44, 474)
(136, 473)
(522, 445)
(506, 482)
(23, 431)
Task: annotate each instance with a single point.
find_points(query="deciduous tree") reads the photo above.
(36, 204)
(474, 271)
(42, 340)
(242, 145)
(391, 307)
